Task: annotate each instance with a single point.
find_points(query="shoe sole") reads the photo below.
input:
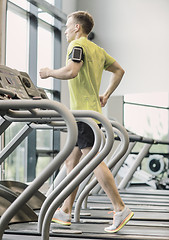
(55, 220)
(122, 224)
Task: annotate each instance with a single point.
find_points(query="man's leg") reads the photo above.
(103, 175)
(71, 162)
(106, 180)
(63, 215)
(122, 214)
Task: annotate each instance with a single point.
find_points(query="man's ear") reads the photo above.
(77, 27)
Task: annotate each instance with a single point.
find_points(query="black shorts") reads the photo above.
(85, 135)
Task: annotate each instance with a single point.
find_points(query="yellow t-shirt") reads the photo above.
(84, 89)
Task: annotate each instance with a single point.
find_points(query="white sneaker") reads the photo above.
(119, 220)
(62, 218)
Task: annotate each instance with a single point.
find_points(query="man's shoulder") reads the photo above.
(73, 44)
(78, 42)
(85, 44)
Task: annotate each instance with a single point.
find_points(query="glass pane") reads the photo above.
(147, 115)
(50, 1)
(17, 43)
(15, 163)
(45, 16)
(45, 54)
(146, 121)
(44, 139)
(42, 163)
(155, 99)
(16, 57)
(44, 146)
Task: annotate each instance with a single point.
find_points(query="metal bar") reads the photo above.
(42, 113)
(73, 173)
(125, 142)
(56, 65)
(62, 174)
(48, 171)
(3, 13)
(31, 158)
(14, 143)
(3, 18)
(119, 164)
(84, 173)
(135, 165)
(4, 124)
(121, 161)
(98, 188)
(49, 8)
(146, 105)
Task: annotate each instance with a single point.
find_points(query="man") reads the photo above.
(84, 67)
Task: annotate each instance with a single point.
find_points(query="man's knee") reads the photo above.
(73, 159)
(70, 163)
(86, 150)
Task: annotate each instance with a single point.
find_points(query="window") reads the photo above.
(45, 54)
(19, 49)
(17, 41)
(15, 164)
(147, 115)
(17, 58)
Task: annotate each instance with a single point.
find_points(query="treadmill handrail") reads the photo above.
(17, 139)
(73, 173)
(85, 171)
(48, 171)
(145, 149)
(8, 92)
(123, 148)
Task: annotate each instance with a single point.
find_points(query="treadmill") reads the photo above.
(29, 112)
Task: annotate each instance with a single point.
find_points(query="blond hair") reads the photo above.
(84, 19)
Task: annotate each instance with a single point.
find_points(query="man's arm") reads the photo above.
(117, 74)
(67, 72)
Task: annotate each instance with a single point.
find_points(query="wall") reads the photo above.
(136, 33)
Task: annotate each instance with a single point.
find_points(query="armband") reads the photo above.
(77, 54)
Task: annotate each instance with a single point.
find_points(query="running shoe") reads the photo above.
(119, 220)
(62, 218)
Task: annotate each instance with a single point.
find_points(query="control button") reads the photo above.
(26, 82)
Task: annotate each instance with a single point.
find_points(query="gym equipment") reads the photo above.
(147, 205)
(9, 83)
(156, 164)
(15, 104)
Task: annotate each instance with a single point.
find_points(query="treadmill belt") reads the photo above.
(102, 214)
(95, 231)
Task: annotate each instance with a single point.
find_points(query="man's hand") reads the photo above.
(44, 73)
(103, 100)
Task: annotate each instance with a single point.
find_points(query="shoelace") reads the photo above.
(113, 215)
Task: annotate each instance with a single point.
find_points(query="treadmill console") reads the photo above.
(17, 82)
(42, 93)
(30, 88)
